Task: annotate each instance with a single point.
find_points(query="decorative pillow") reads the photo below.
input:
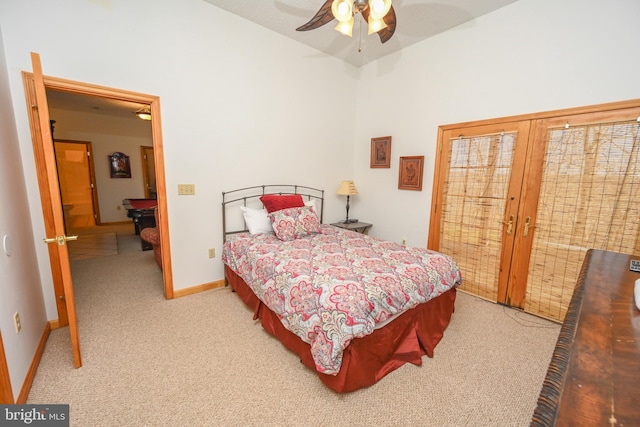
(276, 202)
(292, 223)
(257, 220)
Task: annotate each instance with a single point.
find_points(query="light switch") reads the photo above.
(186, 189)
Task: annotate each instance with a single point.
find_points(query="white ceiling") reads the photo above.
(416, 20)
(92, 104)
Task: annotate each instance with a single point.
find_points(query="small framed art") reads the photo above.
(381, 152)
(410, 177)
(119, 165)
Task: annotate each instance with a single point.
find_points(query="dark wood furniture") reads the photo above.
(141, 211)
(360, 227)
(594, 374)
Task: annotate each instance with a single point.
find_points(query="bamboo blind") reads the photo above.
(589, 198)
(474, 197)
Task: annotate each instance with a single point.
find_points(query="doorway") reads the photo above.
(519, 201)
(76, 173)
(62, 85)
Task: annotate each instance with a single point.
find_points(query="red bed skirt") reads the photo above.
(366, 360)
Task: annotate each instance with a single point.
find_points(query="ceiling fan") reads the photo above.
(379, 15)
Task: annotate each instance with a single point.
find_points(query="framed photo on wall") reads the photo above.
(381, 152)
(119, 165)
(410, 176)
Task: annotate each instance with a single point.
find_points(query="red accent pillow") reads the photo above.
(276, 202)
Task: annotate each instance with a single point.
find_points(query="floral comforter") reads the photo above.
(332, 287)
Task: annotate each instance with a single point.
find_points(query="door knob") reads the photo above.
(509, 225)
(60, 240)
(527, 224)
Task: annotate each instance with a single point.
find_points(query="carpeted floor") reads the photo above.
(201, 361)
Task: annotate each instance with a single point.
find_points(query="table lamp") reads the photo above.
(347, 188)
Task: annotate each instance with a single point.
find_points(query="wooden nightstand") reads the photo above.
(360, 227)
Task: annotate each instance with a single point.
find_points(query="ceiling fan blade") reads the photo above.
(389, 19)
(323, 16)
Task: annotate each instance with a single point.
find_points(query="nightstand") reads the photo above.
(360, 227)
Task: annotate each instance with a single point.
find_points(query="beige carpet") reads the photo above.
(201, 361)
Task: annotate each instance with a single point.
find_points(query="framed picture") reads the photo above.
(410, 177)
(119, 165)
(381, 152)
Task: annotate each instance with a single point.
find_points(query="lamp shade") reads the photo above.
(345, 27)
(347, 188)
(342, 10)
(376, 25)
(379, 8)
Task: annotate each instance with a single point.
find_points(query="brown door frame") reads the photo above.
(145, 170)
(63, 85)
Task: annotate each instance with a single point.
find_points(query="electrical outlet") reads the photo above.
(212, 253)
(186, 189)
(16, 320)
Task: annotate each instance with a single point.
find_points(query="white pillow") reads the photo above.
(257, 220)
(311, 203)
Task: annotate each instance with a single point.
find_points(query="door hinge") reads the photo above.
(88, 154)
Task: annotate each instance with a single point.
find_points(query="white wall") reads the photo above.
(241, 105)
(531, 56)
(20, 288)
(108, 134)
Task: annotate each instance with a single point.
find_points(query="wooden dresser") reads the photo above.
(594, 375)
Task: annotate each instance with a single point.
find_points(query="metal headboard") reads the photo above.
(242, 196)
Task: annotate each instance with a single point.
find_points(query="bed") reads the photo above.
(353, 307)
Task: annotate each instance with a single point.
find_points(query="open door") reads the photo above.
(56, 238)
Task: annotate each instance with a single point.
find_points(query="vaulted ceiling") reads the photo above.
(416, 20)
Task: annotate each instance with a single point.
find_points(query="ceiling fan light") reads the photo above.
(378, 9)
(376, 25)
(342, 10)
(345, 28)
(144, 113)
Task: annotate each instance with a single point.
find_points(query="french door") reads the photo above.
(518, 202)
